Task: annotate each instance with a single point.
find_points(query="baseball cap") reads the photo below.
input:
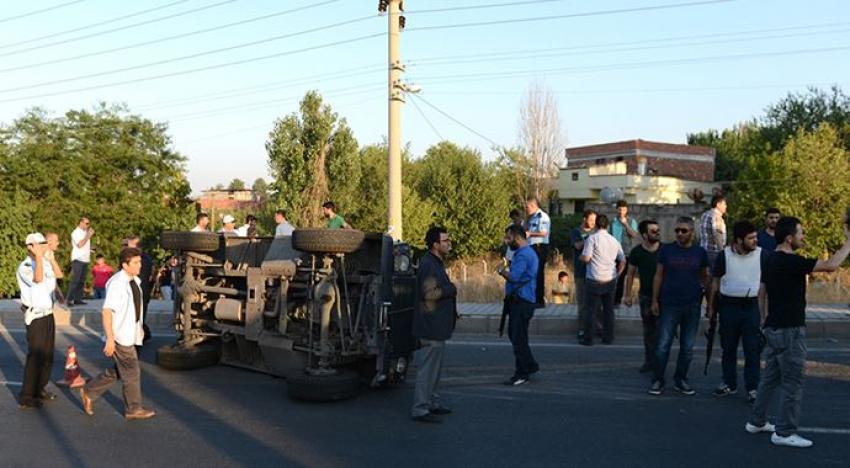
(228, 219)
(35, 238)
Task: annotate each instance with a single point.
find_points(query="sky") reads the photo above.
(220, 72)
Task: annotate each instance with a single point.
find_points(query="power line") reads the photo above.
(432, 106)
(433, 128)
(572, 15)
(640, 90)
(480, 7)
(170, 38)
(187, 57)
(625, 66)
(37, 12)
(199, 69)
(122, 28)
(92, 25)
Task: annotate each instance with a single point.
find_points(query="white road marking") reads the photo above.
(825, 430)
(10, 383)
(505, 344)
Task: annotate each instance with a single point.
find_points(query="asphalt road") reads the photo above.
(587, 407)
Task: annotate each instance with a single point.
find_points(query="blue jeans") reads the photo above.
(739, 321)
(100, 293)
(686, 318)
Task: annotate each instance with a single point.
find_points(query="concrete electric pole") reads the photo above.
(396, 90)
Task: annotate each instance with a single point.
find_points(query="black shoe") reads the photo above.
(44, 395)
(441, 410)
(516, 381)
(683, 388)
(427, 418)
(724, 390)
(646, 367)
(30, 403)
(656, 388)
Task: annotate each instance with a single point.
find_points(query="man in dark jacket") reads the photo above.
(433, 323)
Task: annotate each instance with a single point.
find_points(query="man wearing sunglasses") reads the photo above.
(643, 260)
(80, 259)
(681, 278)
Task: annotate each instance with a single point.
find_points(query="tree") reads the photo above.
(516, 174)
(17, 223)
(807, 111)
(541, 138)
(116, 168)
(236, 184)
(260, 187)
(313, 155)
(466, 195)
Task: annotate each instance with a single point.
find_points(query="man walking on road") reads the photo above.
(767, 236)
(36, 278)
(122, 323)
(737, 276)
(643, 260)
(146, 277)
(537, 230)
(605, 261)
(681, 278)
(784, 284)
(577, 238)
(624, 228)
(520, 290)
(434, 319)
(80, 259)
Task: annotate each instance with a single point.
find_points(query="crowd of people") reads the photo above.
(754, 285)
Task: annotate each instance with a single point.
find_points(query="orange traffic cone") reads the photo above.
(72, 376)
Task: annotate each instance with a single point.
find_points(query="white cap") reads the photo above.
(35, 238)
(228, 219)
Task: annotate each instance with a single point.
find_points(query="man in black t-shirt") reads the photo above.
(642, 261)
(783, 289)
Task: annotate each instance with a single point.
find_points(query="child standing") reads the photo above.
(101, 272)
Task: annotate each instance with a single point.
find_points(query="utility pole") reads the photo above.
(396, 90)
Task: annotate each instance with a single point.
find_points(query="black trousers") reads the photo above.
(600, 295)
(41, 337)
(542, 251)
(621, 283)
(79, 270)
(519, 314)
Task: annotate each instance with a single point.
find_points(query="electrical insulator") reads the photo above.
(383, 5)
(401, 22)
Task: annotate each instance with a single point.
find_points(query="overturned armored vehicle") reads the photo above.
(329, 310)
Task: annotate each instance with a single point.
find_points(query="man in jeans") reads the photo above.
(737, 275)
(520, 289)
(433, 323)
(643, 259)
(577, 237)
(624, 228)
(712, 229)
(677, 290)
(605, 261)
(783, 284)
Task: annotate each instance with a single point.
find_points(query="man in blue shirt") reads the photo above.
(681, 278)
(520, 294)
(767, 236)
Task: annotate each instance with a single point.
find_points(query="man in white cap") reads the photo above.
(228, 224)
(122, 322)
(37, 279)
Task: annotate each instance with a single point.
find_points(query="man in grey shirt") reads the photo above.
(605, 261)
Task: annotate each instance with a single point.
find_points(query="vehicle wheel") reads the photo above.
(320, 388)
(327, 240)
(179, 357)
(191, 241)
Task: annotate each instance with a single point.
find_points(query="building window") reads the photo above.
(575, 175)
(600, 161)
(619, 159)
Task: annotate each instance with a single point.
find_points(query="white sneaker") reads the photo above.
(792, 440)
(766, 427)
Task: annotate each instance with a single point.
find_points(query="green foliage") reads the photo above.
(260, 187)
(236, 184)
(559, 237)
(17, 223)
(116, 168)
(807, 112)
(313, 156)
(467, 197)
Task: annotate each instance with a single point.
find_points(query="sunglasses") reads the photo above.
(682, 231)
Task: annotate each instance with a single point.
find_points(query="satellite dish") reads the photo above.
(696, 194)
(610, 195)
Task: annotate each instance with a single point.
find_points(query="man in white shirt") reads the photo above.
(605, 260)
(249, 229)
(122, 322)
(36, 277)
(228, 224)
(537, 229)
(283, 227)
(201, 222)
(80, 259)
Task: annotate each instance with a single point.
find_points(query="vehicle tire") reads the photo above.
(322, 388)
(190, 241)
(179, 357)
(327, 240)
